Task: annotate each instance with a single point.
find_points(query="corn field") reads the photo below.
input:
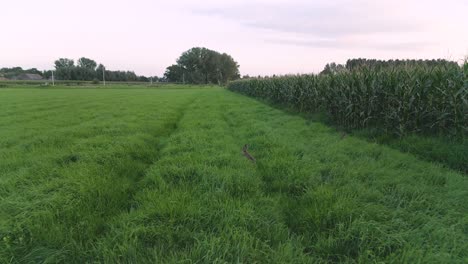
(399, 100)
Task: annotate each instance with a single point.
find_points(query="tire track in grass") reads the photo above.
(266, 236)
(286, 178)
(311, 197)
(80, 221)
(196, 202)
(162, 138)
(141, 162)
(133, 204)
(275, 166)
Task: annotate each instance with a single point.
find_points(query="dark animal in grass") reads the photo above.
(343, 135)
(246, 153)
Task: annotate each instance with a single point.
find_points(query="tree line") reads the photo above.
(195, 66)
(384, 64)
(87, 70)
(374, 64)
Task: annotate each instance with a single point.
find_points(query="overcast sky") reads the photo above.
(264, 37)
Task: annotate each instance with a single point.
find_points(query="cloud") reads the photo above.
(347, 45)
(319, 18)
(327, 24)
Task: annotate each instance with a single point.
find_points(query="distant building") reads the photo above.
(28, 77)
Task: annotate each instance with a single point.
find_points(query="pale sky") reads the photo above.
(264, 37)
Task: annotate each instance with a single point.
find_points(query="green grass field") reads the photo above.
(158, 176)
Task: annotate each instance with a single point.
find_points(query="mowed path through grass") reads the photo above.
(157, 175)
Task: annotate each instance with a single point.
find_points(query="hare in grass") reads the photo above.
(246, 153)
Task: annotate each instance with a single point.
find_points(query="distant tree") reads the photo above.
(33, 71)
(355, 64)
(143, 79)
(333, 68)
(130, 76)
(64, 63)
(99, 69)
(175, 73)
(64, 69)
(47, 74)
(465, 66)
(87, 63)
(85, 70)
(228, 69)
(197, 64)
(154, 78)
(203, 66)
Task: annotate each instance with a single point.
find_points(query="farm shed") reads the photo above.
(28, 77)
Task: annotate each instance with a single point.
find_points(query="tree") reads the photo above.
(64, 68)
(100, 68)
(143, 79)
(201, 65)
(47, 74)
(228, 69)
(86, 69)
(87, 63)
(174, 73)
(64, 63)
(333, 68)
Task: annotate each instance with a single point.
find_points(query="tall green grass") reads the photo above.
(397, 100)
(158, 176)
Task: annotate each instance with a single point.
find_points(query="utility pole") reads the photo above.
(53, 82)
(183, 78)
(103, 75)
(221, 79)
(151, 81)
